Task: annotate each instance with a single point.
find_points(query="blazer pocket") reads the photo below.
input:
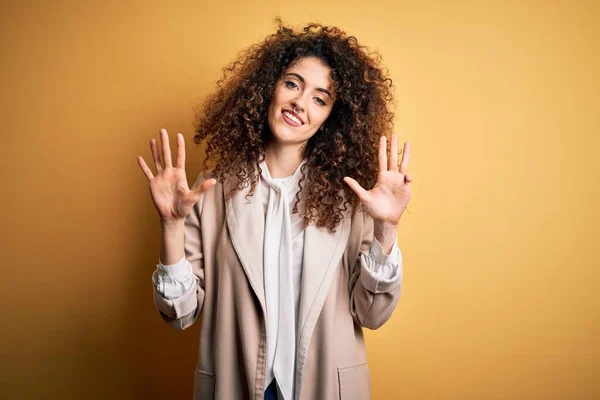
(355, 382)
(204, 385)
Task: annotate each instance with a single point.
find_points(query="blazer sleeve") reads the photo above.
(372, 300)
(182, 311)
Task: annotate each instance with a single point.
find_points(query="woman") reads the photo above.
(279, 247)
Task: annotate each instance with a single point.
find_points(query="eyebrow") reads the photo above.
(327, 92)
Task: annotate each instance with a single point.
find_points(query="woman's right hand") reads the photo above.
(169, 189)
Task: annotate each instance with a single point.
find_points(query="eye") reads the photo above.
(320, 101)
(291, 85)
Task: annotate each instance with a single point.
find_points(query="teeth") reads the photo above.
(290, 116)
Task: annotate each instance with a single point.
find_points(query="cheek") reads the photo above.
(270, 111)
(272, 107)
(275, 102)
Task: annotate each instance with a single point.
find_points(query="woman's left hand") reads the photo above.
(388, 199)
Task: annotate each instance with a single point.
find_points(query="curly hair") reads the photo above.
(233, 119)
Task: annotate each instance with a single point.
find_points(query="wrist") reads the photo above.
(172, 242)
(385, 228)
(385, 233)
(172, 224)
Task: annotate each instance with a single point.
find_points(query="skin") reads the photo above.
(303, 86)
(306, 88)
(388, 199)
(171, 195)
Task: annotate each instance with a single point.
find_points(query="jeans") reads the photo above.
(271, 392)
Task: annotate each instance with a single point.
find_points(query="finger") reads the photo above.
(394, 153)
(145, 168)
(382, 154)
(362, 194)
(166, 149)
(405, 157)
(180, 151)
(204, 186)
(155, 155)
(408, 178)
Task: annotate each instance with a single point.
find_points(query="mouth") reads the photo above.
(292, 118)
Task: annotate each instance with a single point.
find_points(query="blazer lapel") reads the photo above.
(246, 223)
(322, 253)
(321, 256)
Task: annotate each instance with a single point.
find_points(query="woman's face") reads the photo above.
(302, 101)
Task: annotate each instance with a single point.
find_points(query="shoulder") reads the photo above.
(203, 176)
(213, 195)
(207, 173)
(361, 225)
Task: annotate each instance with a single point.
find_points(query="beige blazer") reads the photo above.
(223, 243)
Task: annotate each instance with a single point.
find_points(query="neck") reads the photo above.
(283, 160)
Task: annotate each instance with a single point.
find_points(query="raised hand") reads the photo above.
(169, 189)
(388, 199)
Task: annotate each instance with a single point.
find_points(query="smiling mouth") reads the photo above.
(291, 118)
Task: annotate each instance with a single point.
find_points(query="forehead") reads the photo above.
(314, 71)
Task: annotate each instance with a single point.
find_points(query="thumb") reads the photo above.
(362, 194)
(203, 187)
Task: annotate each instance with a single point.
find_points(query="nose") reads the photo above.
(298, 104)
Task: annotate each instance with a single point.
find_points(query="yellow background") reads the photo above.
(500, 101)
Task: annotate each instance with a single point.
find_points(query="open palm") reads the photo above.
(388, 199)
(169, 189)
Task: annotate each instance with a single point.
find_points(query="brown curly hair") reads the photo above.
(233, 119)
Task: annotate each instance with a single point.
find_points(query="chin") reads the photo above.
(282, 133)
